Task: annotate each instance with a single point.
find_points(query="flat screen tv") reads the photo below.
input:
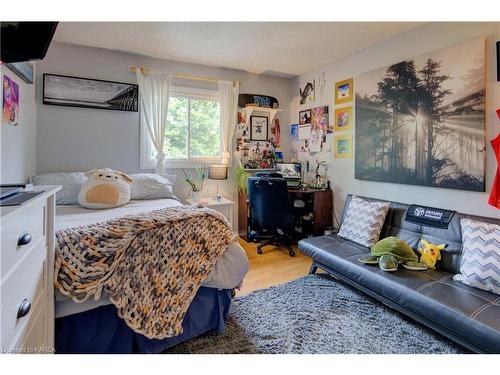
(25, 41)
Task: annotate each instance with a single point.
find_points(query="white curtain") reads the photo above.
(154, 91)
(228, 99)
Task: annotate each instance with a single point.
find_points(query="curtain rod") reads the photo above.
(134, 68)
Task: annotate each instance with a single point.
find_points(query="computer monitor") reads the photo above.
(290, 171)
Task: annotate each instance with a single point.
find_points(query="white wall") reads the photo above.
(18, 142)
(78, 139)
(429, 37)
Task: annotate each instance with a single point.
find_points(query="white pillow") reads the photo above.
(71, 184)
(105, 188)
(480, 265)
(152, 186)
(364, 221)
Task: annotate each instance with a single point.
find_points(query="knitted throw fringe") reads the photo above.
(151, 264)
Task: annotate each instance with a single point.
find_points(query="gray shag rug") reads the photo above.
(316, 314)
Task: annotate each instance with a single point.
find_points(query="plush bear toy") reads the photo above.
(105, 188)
(430, 253)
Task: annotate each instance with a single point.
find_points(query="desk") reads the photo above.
(319, 203)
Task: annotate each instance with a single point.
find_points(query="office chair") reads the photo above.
(271, 211)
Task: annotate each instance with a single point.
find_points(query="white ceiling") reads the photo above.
(277, 48)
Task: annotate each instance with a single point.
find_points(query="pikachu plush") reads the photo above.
(430, 253)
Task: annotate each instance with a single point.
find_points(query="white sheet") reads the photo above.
(227, 273)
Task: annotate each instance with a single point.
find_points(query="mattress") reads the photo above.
(227, 273)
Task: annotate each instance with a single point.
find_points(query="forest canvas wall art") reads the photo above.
(422, 121)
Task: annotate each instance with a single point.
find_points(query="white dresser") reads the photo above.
(27, 267)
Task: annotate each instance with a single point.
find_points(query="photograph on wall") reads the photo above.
(344, 91)
(294, 131)
(320, 119)
(316, 136)
(304, 131)
(10, 108)
(259, 128)
(343, 118)
(306, 91)
(422, 121)
(89, 93)
(343, 146)
(275, 137)
(242, 118)
(305, 117)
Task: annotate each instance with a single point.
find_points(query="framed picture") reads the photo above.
(89, 93)
(414, 139)
(343, 118)
(10, 109)
(305, 117)
(344, 91)
(307, 91)
(259, 128)
(343, 146)
(23, 70)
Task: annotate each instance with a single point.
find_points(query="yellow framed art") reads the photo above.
(343, 118)
(344, 91)
(343, 146)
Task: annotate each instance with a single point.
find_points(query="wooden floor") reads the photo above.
(273, 267)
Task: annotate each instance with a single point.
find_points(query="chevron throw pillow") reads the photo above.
(363, 221)
(480, 266)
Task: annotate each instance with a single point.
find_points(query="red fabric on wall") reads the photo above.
(495, 189)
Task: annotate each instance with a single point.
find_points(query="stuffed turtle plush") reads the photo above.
(389, 252)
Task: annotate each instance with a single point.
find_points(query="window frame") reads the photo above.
(149, 162)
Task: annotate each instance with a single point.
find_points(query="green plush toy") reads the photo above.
(389, 252)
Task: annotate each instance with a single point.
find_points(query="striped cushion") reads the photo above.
(480, 266)
(363, 221)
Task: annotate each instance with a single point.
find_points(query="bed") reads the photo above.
(94, 326)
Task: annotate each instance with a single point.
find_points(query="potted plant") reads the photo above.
(241, 178)
(196, 182)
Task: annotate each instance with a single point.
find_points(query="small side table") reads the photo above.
(224, 206)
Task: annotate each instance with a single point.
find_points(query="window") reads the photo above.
(193, 130)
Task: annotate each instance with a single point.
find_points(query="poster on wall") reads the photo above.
(320, 119)
(422, 121)
(344, 91)
(294, 131)
(306, 91)
(343, 146)
(343, 118)
(10, 107)
(316, 136)
(304, 131)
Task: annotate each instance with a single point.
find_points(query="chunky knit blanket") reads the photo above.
(151, 264)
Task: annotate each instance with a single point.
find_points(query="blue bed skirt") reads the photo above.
(100, 330)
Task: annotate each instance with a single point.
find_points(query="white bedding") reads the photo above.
(227, 273)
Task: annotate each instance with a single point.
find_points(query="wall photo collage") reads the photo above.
(315, 136)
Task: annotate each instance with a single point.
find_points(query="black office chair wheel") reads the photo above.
(292, 253)
(259, 251)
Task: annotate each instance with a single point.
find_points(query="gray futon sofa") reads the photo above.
(464, 314)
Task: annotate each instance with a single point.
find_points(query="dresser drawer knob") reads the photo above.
(24, 239)
(24, 308)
